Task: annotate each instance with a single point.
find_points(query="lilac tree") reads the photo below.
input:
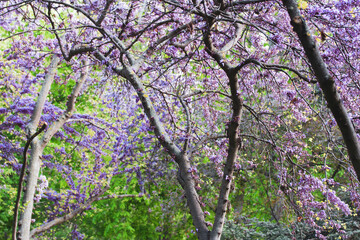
(216, 80)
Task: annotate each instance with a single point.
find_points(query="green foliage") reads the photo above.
(120, 219)
(252, 228)
(7, 198)
(242, 228)
(148, 217)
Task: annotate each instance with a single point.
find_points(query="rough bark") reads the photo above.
(327, 84)
(234, 146)
(232, 130)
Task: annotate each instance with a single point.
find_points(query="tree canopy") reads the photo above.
(171, 119)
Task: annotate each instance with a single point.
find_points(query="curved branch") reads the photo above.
(326, 82)
(79, 210)
(278, 67)
(36, 151)
(205, 139)
(21, 180)
(232, 129)
(244, 2)
(174, 151)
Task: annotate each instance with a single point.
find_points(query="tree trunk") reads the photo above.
(327, 84)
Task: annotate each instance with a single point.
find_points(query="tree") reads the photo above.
(214, 79)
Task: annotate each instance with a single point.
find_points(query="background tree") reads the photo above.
(224, 87)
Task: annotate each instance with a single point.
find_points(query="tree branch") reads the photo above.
(203, 140)
(278, 67)
(49, 77)
(104, 12)
(36, 151)
(70, 108)
(21, 180)
(232, 129)
(174, 151)
(167, 37)
(244, 2)
(69, 216)
(188, 125)
(326, 82)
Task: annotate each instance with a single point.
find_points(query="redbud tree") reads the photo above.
(219, 89)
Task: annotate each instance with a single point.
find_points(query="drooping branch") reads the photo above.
(278, 67)
(326, 82)
(162, 40)
(89, 121)
(205, 91)
(149, 110)
(203, 140)
(119, 196)
(78, 211)
(185, 178)
(76, 8)
(256, 116)
(259, 139)
(68, 216)
(244, 2)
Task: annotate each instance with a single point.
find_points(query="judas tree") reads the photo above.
(211, 81)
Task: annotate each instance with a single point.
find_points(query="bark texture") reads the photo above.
(233, 125)
(327, 84)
